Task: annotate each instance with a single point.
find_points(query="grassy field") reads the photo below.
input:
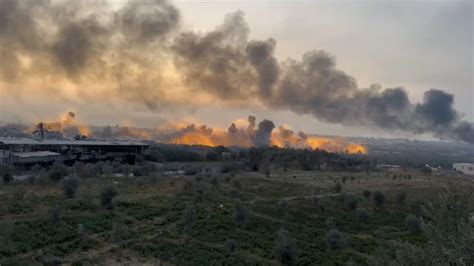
(210, 219)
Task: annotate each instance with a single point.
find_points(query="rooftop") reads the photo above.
(35, 154)
(48, 142)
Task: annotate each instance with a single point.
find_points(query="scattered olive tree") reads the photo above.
(335, 240)
(285, 249)
(189, 219)
(107, 196)
(414, 224)
(70, 186)
(240, 214)
(379, 199)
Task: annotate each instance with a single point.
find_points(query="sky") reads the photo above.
(417, 45)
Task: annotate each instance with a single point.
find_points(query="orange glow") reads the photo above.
(195, 139)
(282, 137)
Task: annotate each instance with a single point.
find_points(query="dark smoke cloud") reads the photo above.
(90, 45)
(147, 21)
(263, 135)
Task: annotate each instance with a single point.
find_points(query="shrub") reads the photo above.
(367, 194)
(344, 179)
(120, 232)
(231, 245)
(401, 196)
(352, 202)
(70, 186)
(335, 240)
(285, 250)
(363, 216)
(229, 167)
(80, 230)
(190, 171)
(6, 173)
(240, 214)
(215, 181)
(379, 198)
(106, 197)
(338, 187)
(7, 177)
(57, 171)
(56, 213)
(237, 184)
(189, 219)
(413, 224)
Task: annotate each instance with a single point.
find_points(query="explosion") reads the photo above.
(68, 126)
(262, 136)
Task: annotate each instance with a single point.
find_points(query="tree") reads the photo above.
(70, 186)
(379, 198)
(106, 197)
(448, 229)
(367, 194)
(56, 213)
(240, 214)
(335, 240)
(363, 216)
(57, 171)
(285, 250)
(401, 197)
(413, 224)
(6, 173)
(189, 219)
(352, 202)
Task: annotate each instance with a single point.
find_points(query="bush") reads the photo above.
(352, 202)
(363, 216)
(56, 213)
(215, 181)
(379, 198)
(57, 171)
(335, 240)
(6, 173)
(120, 232)
(189, 219)
(285, 250)
(367, 194)
(106, 197)
(229, 167)
(237, 184)
(190, 171)
(401, 197)
(240, 214)
(338, 187)
(344, 179)
(413, 224)
(70, 186)
(231, 245)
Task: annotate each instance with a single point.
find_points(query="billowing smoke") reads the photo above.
(139, 54)
(263, 135)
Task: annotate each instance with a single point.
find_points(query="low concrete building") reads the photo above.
(464, 168)
(36, 157)
(21, 151)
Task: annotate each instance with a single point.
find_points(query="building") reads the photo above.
(26, 152)
(464, 168)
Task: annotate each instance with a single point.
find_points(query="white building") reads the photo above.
(464, 168)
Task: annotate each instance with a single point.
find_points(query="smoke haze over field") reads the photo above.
(141, 53)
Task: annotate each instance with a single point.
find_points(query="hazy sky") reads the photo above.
(415, 44)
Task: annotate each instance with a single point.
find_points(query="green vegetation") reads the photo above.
(231, 217)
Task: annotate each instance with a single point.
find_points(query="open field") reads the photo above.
(211, 218)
